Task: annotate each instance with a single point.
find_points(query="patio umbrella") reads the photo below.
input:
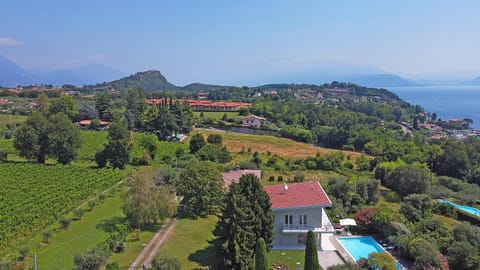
(348, 222)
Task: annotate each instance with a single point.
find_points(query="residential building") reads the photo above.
(253, 121)
(298, 208)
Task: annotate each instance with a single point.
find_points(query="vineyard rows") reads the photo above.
(33, 196)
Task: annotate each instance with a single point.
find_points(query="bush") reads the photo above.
(46, 235)
(91, 204)
(78, 213)
(3, 155)
(64, 222)
(247, 165)
(162, 262)
(8, 134)
(24, 252)
(392, 196)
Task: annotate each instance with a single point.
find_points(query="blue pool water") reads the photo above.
(468, 209)
(361, 247)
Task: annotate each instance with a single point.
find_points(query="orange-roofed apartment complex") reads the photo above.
(299, 208)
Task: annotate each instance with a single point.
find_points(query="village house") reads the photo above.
(298, 208)
(253, 121)
(431, 127)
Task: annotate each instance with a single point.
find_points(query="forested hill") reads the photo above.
(150, 80)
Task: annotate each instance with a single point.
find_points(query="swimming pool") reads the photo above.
(468, 209)
(361, 247)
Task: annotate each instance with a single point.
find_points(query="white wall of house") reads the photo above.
(296, 235)
(251, 121)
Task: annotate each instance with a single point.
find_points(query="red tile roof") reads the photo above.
(297, 195)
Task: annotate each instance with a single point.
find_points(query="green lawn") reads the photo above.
(80, 236)
(133, 249)
(189, 242)
(292, 258)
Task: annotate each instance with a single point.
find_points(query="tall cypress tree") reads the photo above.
(259, 202)
(235, 239)
(246, 217)
(261, 262)
(311, 253)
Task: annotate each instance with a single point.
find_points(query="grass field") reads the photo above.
(294, 259)
(189, 242)
(82, 235)
(282, 147)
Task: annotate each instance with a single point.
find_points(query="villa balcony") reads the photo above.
(288, 228)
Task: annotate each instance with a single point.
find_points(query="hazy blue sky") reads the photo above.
(246, 41)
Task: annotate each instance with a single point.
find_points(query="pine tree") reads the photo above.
(261, 262)
(259, 202)
(246, 216)
(311, 253)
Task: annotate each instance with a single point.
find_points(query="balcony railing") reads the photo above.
(290, 228)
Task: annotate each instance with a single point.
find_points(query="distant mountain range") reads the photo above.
(380, 80)
(12, 74)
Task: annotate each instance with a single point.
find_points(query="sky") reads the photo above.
(246, 42)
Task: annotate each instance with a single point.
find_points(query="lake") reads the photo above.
(447, 101)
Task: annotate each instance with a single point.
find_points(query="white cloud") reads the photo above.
(7, 41)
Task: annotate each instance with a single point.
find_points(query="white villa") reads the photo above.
(253, 121)
(299, 208)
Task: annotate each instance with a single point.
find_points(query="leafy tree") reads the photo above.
(103, 106)
(63, 137)
(256, 159)
(135, 104)
(150, 145)
(42, 102)
(383, 218)
(93, 259)
(311, 253)
(214, 152)
(408, 179)
(117, 151)
(434, 117)
(38, 137)
(363, 163)
(214, 138)
(144, 202)
(31, 138)
(381, 260)
(364, 218)
(162, 262)
(65, 105)
(261, 262)
(463, 255)
(202, 189)
(454, 162)
(424, 253)
(416, 207)
(196, 143)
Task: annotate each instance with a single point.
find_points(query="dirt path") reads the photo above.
(146, 256)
